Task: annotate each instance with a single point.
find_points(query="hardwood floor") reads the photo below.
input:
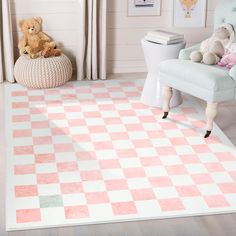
(215, 225)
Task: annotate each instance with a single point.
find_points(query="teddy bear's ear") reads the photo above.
(39, 20)
(21, 22)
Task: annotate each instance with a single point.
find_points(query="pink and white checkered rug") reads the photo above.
(90, 152)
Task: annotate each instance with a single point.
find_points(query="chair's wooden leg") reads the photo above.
(167, 94)
(211, 112)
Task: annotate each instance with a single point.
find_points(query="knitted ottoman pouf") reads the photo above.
(42, 72)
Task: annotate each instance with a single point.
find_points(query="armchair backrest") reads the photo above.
(225, 13)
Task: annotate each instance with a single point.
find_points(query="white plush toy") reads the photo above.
(213, 48)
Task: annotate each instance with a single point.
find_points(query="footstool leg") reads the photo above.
(211, 112)
(167, 94)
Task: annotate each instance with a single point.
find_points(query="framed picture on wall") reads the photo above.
(189, 13)
(144, 7)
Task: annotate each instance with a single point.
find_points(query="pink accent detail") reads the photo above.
(39, 110)
(59, 131)
(114, 89)
(101, 95)
(189, 110)
(54, 103)
(134, 127)
(66, 147)
(35, 98)
(19, 93)
(233, 175)
(97, 129)
(67, 166)
(202, 148)
(143, 194)
(112, 121)
(117, 184)
(20, 118)
(169, 125)
(161, 181)
(173, 204)
(228, 188)
(142, 143)
(176, 170)
(119, 136)
(51, 178)
(44, 158)
(20, 105)
(124, 113)
(42, 140)
(23, 150)
(216, 201)
(90, 175)
(188, 191)
(151, 161)
(179, 141)
(76, 212)
(97, 198)
(106, 107)
(40, 124)
(199, 124)
(98, 85)
(70, 188)
(85, 156)
(22, 133)
(77, 122)
(51, 91)
(202, 179)
(225, 156)
(103, 145)
(214, 167)
(126, 153)
(189, 159)
(26, 191)
(69, 97)
(165, 151)
(138, 106)
(72, 108)
(24, 169)
(132, 94)
(124, 208)
(134, 172)
(56, 116)
(28, 216)
(109, 164)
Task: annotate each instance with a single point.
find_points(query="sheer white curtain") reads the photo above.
(91, 55)
(6, 43)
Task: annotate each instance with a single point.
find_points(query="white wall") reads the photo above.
(124, 34)
(60, 21)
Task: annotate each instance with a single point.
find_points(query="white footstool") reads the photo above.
(154, 54)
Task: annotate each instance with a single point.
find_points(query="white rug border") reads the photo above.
(10, 214)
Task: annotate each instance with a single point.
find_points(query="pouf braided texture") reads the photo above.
(42, 72)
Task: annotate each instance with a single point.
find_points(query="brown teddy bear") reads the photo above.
(34, 42)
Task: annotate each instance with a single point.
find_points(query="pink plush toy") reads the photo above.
(228, 60)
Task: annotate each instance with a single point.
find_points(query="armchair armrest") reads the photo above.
(232, 73)
(185, 53)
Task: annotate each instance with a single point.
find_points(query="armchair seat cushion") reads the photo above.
(211, 83)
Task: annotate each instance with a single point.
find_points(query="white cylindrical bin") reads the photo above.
(155, 53)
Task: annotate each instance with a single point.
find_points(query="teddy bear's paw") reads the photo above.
(196, 56)
(210, 59)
